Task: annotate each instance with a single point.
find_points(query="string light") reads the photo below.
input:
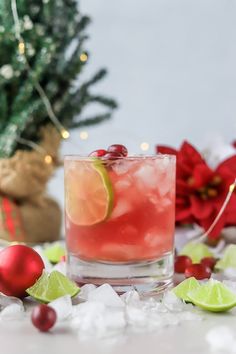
(83, 135)
(144, 146)
(83, 57)
(48, 159)
(21, 47)
(65, 134)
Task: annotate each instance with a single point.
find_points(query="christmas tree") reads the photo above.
(41, 58)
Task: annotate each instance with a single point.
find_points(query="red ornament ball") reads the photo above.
(20, 267)
(43, 317)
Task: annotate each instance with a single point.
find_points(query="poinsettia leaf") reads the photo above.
(162, 149)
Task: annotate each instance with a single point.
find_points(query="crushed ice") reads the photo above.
(11, 308)
(106, 313)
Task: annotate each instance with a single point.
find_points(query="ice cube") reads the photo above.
(230, 273)
(122, 207)
(130, 297)
(63, 307)
(9, 300)
(221, 339)
(94, 319)
(106, 294)
(12, 312)
(172, 302)
(122, 185)
(121, 167)
(146, 177)
(85, 290)
(136, 316)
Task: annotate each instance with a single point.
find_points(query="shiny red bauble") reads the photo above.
(43, 317)
(181, 263)
(209, 262)
(119, 149)
(198, 271)
(20, 267)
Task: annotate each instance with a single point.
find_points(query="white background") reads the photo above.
(172, 68)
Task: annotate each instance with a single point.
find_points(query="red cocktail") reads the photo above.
(120, 219)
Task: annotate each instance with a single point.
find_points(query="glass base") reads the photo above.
(147, 277)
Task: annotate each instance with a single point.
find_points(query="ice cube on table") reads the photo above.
(221, 339)
(88, 319)
(12, 312)
(9, 300)
(63, 307)
(85, 290)
(106, 294)
(130, 297)
(230, 273)
(172, 302)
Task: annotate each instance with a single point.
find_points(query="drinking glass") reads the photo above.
(119, 221)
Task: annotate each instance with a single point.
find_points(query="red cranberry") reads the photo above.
(181, 262)
(112, 155)
(98, 153)
(43, 317)
(121, 149)
(209, 262)
(198, 271)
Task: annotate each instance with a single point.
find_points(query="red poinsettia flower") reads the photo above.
(200, 190)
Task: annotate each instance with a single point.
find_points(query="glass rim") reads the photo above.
(78, 157)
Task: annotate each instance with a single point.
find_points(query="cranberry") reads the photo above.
(98, 153)
(209, 262)
(121, 149)
(198, 271)
(43, 317)
(181, 262)
(112, 155)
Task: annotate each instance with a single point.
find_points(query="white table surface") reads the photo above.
(188, 337)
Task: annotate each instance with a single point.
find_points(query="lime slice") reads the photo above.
(51, 286)
(185, 287)
(54, 253)
(213, 296)
(89, 192)
(196, 251)
(229, 258)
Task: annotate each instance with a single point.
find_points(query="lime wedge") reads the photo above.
(54, 253)
(229, 258)
(213, 296)
(182, 289)
(88, 192)
(196, 251)
(50, 286)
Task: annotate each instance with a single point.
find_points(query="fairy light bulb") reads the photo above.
(83, 57)
(65, 134)
(48, 159)
(144, 146)
(83, 135)
(21, 48)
